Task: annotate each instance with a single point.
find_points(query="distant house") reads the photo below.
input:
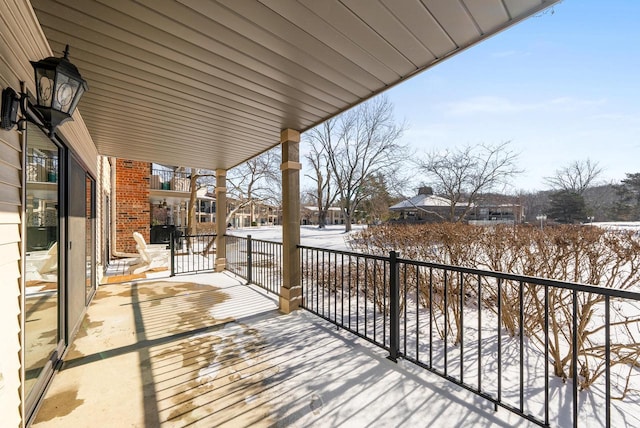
(486, 214)
(258, 213)
(309, 215)
(426, 207)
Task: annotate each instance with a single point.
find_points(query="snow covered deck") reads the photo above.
(206, 350)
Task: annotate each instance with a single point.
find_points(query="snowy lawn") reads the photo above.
(331, 237)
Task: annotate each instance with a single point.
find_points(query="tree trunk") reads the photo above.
(191, 210)
(347, 222)
(322, 219)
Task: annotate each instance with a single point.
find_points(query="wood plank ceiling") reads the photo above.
(210, 83)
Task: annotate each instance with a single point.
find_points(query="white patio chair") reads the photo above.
(42, 265)
(151, 255)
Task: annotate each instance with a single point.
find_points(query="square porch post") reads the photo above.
(291, 290)
(221, 219)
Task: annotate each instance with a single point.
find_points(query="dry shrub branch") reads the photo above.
(577, 254)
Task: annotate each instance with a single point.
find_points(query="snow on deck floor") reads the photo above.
(205, 350)
(327, 378)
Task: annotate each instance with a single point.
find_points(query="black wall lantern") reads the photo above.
(59, 88)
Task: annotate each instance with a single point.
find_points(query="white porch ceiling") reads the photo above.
(210, 84)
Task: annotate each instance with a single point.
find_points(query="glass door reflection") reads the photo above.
(42, 312)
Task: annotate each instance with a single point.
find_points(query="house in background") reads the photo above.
(257, 213)
(486, 213)
(309, 215)
(205, 206)
(426, 207)
(152, 199)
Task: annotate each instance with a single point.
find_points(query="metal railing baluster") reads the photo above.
(446, 323)
(574, 356)
(461, 332)
(607, 362)
(521, 342)
(525, 287)
(394, 312)
(479, 334)
(499, 344)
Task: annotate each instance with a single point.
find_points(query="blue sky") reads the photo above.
(563, 86)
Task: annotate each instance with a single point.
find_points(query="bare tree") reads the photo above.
(534, 203)
(254, 181)
(249, 183)
(462, 175)
(324, 194)
(198, 179)
(576, 177)
(361, 142)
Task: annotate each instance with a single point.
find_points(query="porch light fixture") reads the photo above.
(59, 88)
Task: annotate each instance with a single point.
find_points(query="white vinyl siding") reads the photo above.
(10, 191)
(21, 41)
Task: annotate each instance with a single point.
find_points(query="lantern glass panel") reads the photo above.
(44, 82)
(76, 99)
(66, 89)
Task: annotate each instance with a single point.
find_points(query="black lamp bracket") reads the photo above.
(12, 103)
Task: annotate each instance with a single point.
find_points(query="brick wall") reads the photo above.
(132, 203)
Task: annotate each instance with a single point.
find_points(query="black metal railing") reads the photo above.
(165, 179)
(257, 261)
(351, 290)
(192, 253)
(510, 339)
(237, 256)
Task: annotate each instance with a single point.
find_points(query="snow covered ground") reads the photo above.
(331, 237)
(620, 225)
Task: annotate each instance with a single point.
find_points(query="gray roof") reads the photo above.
(424, 201)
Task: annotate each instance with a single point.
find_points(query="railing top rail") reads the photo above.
(346, 253)
(266, 241)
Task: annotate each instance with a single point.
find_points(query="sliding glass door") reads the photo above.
(59, 270)
(43, 329)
